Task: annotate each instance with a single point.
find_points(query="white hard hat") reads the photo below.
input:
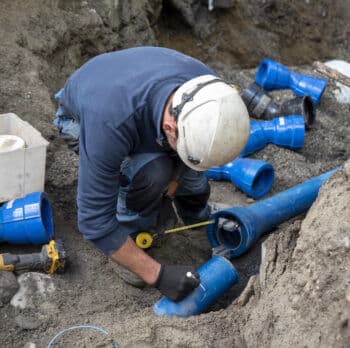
(212, 122)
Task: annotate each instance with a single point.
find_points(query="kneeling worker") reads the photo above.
(139, 118)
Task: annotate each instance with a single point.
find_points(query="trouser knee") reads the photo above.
(191, 198)
(148, 186)
(67, 125)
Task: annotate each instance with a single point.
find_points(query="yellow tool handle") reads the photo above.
(13, 262)
(50, 259)
(4, 266)
(56, 254)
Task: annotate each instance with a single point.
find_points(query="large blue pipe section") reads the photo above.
(288, 131)
(236, 229)
(217, 275)
(272, 75)
(254, 177)
(27, 220)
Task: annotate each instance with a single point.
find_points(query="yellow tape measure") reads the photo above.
(144, 240)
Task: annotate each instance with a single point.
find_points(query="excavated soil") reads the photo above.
(294, 287)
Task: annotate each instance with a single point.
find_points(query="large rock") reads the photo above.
(33, 291)
(8, 286)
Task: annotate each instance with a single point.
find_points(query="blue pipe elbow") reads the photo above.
(272, 75)
(260, 105)
(217, 275)
(254, 177)
(236, 229)
(285, 131)
(27, 220)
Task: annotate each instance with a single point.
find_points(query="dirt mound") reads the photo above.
(303, 283)
(294, 291)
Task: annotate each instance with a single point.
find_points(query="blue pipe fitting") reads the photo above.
(236, 229)
(285, 131)
(27, 220)
(260, 105)
(217, 275)
(254, 177)
(272, 75)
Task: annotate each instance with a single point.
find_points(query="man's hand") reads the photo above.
(176, 282)
(137, 261)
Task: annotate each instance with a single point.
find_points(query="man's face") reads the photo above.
(169, 125)
(171, 135)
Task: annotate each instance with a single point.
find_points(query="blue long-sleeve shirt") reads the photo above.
(119, 99)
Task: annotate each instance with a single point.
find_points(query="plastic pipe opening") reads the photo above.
(263, 181)
(229, 233)
(46, 216)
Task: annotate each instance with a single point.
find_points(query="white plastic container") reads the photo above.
(342, 94)
(22, 170)
(10, 143)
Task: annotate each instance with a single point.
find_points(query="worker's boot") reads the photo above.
(128, 276)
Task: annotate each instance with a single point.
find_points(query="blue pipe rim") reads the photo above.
(46, 215)
(323, 84)
(236, 214)
(213, 237)
(263, 181)
(262, 72)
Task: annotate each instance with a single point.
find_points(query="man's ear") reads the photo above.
(169, 124)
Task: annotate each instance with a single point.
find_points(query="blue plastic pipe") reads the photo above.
(287, 131)
(254, 177)
(217, 275)
(272, 75)
(27, 220)
(236, 229)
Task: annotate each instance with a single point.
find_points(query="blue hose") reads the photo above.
(92, 327)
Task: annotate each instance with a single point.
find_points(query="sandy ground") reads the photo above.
(295, 293)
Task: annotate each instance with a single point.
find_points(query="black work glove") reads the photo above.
(176, 282)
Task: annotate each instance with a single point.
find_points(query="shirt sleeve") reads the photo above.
(103, 147)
